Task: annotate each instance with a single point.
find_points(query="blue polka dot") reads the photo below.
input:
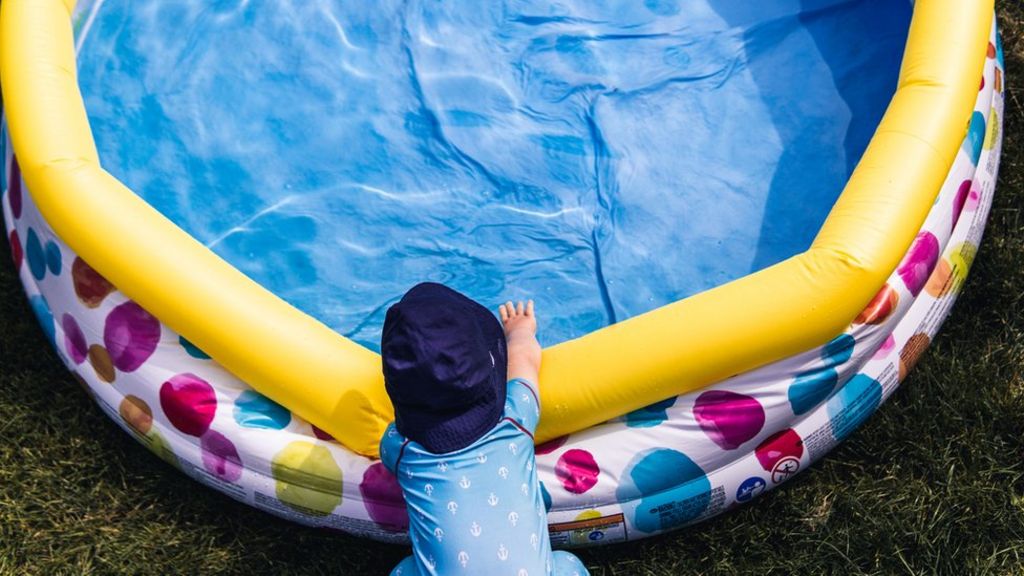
(975, 137)
(649, 416)
(53, 258)
(673, 489)
(839, 350)
(853, 404)
(546, 496)
(34, 255)
(999, 51)
(254, 410)
(45, 318)
(811, 389)
(192, 350)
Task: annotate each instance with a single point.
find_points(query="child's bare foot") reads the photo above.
(520, 325)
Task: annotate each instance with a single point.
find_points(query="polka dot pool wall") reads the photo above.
(670, 464)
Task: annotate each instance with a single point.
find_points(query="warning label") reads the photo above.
(603, 529)
(820, 441)
(354, 526)
(205, 477)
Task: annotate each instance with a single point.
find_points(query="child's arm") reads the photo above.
(391, 445)
(521, 338)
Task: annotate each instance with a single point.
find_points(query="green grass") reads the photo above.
(932, 484)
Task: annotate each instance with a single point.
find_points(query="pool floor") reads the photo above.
(603, 158)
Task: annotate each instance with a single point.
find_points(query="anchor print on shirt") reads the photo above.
(492, 499)
(453, 507)
(475, 529)
(464, 483)
(502, 552)
(503, 472)
(463, 558)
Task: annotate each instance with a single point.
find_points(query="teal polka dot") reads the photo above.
(999, 51)
(811, 389)
(191, 349)
(975, 137)
(839, 350)
(45, 318)
(673, 489)
(53, 258)
(853, 404)
(35, 256)
(649, 416)
(254, 410)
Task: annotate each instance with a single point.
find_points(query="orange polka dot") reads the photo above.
(880, 308)
(100, 361)
(912, 352)
(940, 281)
(136, 413)
(90, 287)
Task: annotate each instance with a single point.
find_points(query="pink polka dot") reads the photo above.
(786, 443)
(14, 188)
(74, 341)
(917, 265)
(130, 336)
(961, 200)
(973, 200)
(577, 471)
(17, 254)
(220, 457)
(189, 403)
(551, 445)
(321, 434)
(727, 418)
(886, 348)
(383, 498)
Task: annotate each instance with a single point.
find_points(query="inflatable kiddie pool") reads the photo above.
(738, 248)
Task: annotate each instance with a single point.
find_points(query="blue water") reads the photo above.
(603, 158)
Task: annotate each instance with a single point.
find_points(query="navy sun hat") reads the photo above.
(445, 367)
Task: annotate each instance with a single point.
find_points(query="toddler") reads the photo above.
(466, 405)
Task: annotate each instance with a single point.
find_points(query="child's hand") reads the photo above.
(520, 335)
(518, 318)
